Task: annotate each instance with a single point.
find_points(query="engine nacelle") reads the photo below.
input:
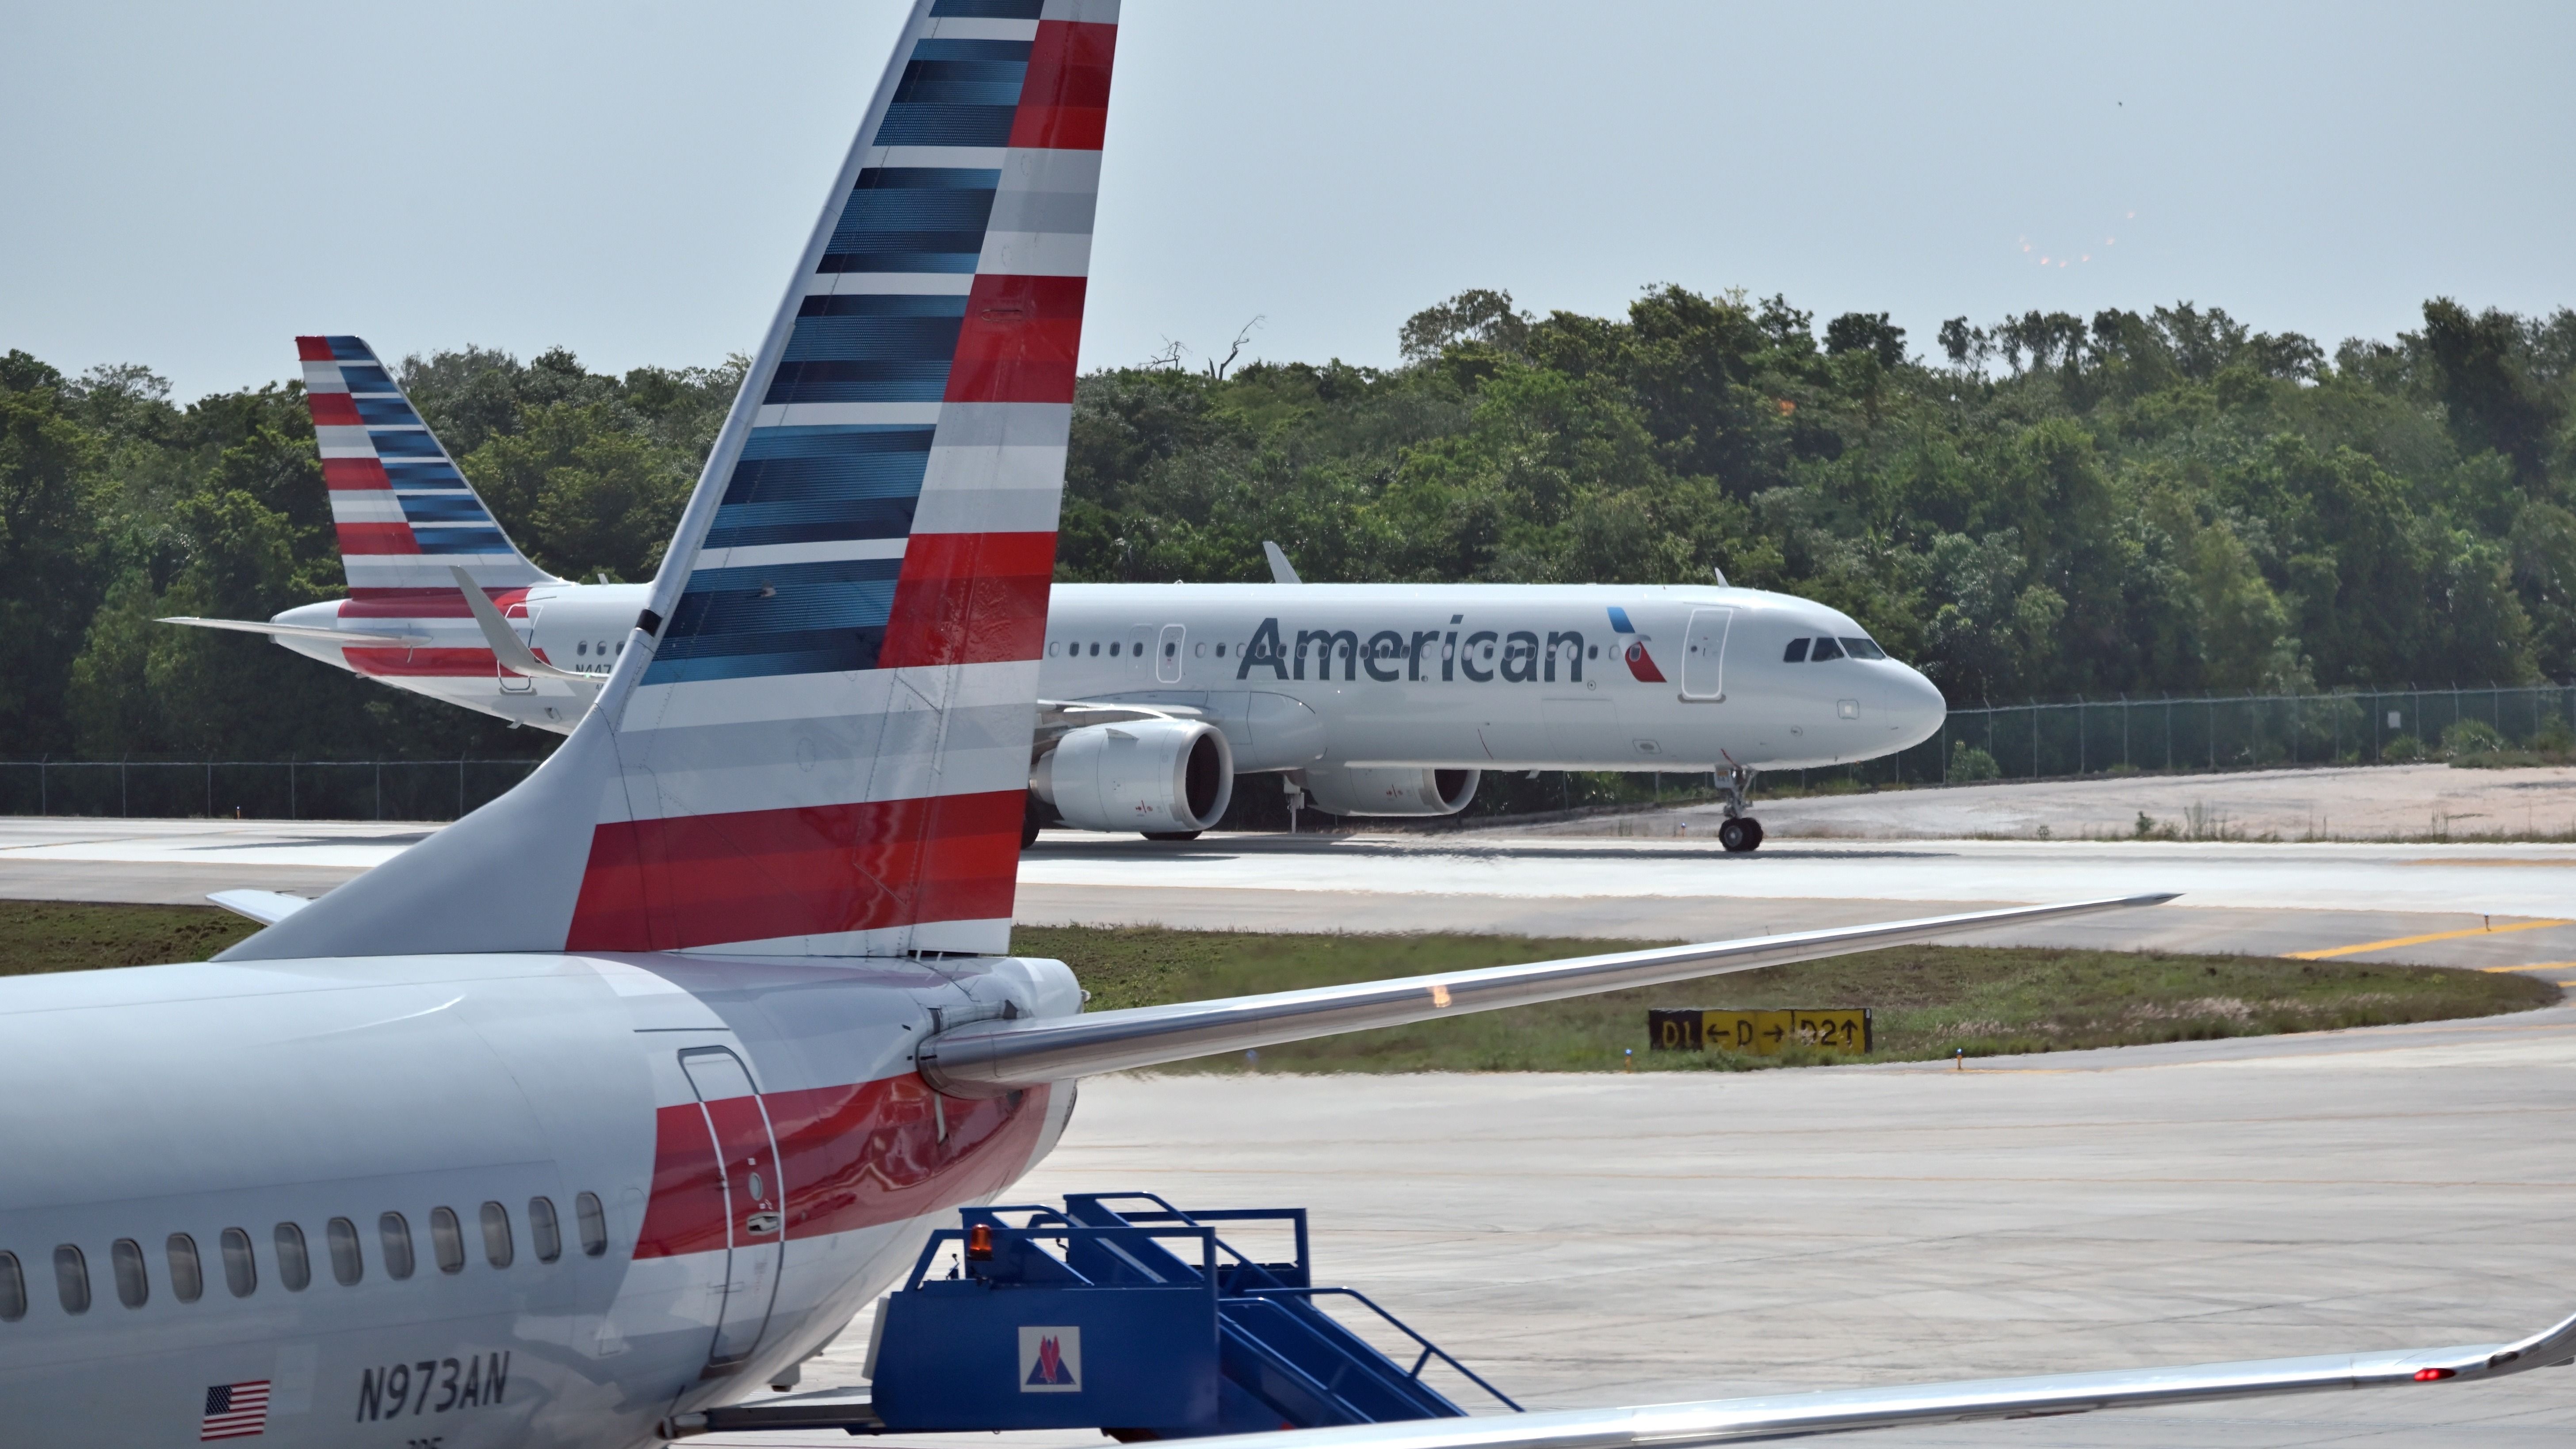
(1158, 776)
(1390, 791)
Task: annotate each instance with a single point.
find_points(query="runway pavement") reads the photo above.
(2476, 905)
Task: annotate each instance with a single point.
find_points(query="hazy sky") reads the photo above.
(189, 185)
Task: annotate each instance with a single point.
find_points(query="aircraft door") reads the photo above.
(1704, 654)
(754, 1190)
(1167, 654)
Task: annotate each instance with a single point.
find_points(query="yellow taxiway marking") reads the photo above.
(2534, 966)
(2391, 945)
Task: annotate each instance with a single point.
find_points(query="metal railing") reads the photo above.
(2177, 734)
(257, 789)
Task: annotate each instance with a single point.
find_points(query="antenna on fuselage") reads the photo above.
(1280, 571)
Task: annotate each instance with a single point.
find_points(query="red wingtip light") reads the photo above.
(979, 1245)
(2429, 1376)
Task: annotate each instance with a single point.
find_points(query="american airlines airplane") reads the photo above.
(618, 1098)
(1365, 699)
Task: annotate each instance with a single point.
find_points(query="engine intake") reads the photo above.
(1390, 791)
(1158, 776)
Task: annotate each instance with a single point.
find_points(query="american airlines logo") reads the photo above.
(1482, 656)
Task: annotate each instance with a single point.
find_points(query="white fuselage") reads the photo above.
(238, 1108)
(1459, 676)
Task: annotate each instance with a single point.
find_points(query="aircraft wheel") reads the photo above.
(1028, 831)
(1169, 834)
(1740, 835)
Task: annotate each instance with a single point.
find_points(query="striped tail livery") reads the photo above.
(816, 736)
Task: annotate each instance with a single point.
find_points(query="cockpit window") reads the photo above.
(1863, 649)
(1796, 653)
(1826, 649)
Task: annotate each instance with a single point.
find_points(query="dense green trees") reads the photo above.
(2049, 505)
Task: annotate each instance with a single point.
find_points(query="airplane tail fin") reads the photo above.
(403, 510)
(816, 741)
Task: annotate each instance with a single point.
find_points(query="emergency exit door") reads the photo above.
(754, 1193)
(1167, 654)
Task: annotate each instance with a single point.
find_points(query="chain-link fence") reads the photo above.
(257, 789)
(2088, 736)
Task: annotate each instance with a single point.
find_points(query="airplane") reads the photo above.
(1370, 700)
(618, 1098)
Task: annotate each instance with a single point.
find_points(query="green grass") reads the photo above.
(62, 936)
(1927, 1001)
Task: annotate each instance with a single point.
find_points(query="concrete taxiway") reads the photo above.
(1614, 1239)
(2476, 905)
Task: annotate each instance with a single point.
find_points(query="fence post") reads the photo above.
(123, 794)
(380, 789)
(2080, 760)
(460, 787)
(2034, 739)
(44, 801)
(291, 807)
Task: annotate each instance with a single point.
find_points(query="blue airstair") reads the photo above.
(1123, 1313)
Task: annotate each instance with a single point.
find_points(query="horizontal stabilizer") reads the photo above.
(301, 631)
(990, 1058)
(507, 647)
(1836, 1411)
(266, 907)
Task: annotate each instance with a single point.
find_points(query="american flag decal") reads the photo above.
(235, 1411)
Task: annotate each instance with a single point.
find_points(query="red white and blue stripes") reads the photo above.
(403, 511)
(817, 740)
(829, 750)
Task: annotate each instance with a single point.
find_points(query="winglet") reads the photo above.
(1280, 571)
(507, 647)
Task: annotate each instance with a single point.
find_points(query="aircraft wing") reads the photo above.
(1836, 1411)
(302, 631)
(988, 1058)
(1056, 716)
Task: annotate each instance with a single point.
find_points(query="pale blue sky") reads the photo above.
(189, 185)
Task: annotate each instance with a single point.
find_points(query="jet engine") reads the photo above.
(1386, 791)
(1157, 776)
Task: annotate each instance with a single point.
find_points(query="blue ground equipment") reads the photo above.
(1138, 1319)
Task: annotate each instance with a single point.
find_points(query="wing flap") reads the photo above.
(990, 1058)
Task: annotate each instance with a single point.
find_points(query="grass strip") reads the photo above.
(1926, 1001)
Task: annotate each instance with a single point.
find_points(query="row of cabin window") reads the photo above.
(1829, 647)
(1074, 650)
(294, 1260)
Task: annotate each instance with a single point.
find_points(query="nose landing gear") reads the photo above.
(1741, 832)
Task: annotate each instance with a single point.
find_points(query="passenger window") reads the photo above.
(1592, 652)
(542, 1227)
(1095, 648)
(1053, 645)
(593, 1221)
(13, 1289)
(446, 1240)
(241, 1275)
(1113, 649)
(187, 1275)
(1220, 651)
(1863, 649)
(581, 648)
(294, 1264)
(347, 1266)
(393, 1235)
(1796, 653)
(1825, 649)
(133, 1289)
(71, 1278)
(496, 1235)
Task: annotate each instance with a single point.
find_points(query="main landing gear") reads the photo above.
(1741, 832)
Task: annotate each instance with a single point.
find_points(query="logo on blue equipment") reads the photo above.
(1050, 1360)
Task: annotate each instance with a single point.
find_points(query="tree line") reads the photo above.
(2038, 507)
